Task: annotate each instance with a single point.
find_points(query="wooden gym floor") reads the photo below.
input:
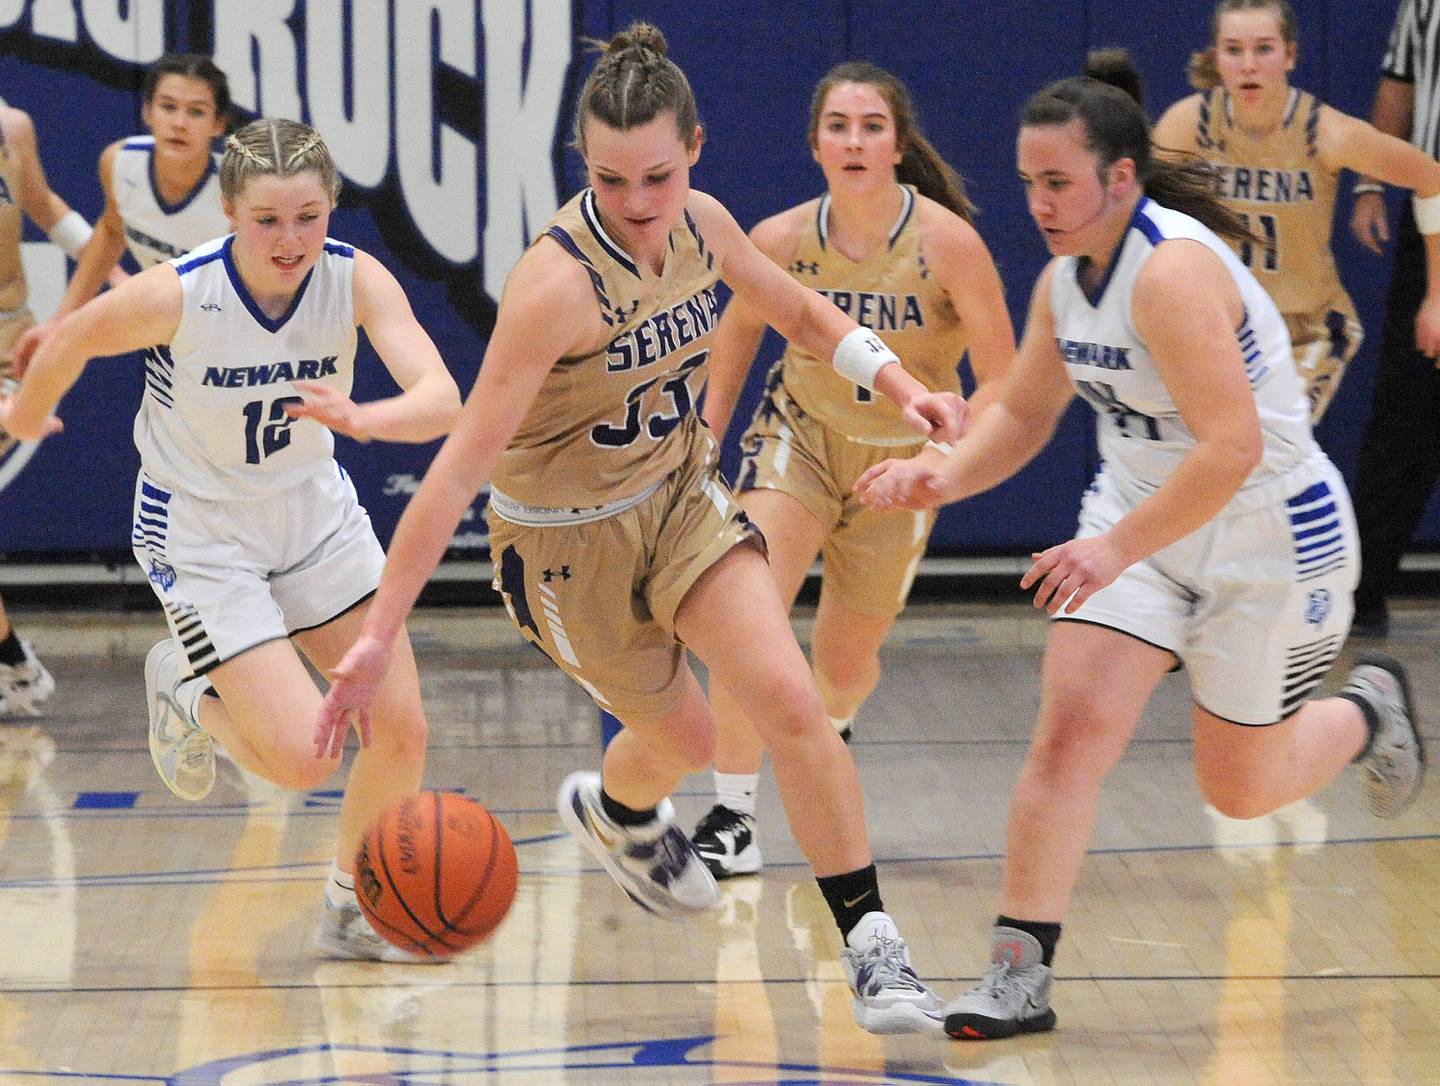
(144, 940)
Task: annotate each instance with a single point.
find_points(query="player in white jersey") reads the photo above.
(249, 531)
(1216, 536)
(610, 481)
(25, 684)
(162, 191)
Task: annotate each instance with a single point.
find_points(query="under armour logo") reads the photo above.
(563, 573)
(210, 307)
(811, 267)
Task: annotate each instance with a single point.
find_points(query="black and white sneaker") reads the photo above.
(726, 842)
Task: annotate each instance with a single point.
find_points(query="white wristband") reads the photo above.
(1427, 213)
(860, 356)
(71, 233)
(1365, 188)
(944, 448)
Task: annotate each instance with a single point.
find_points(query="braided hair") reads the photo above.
(272, 146)
(633, 83)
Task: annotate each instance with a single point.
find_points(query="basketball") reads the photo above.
(435, 874)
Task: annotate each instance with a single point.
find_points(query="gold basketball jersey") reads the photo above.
(890, 292)
(12, 273)
(1285, 194)
(610, 424)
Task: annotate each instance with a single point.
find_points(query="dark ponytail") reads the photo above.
(1106, 100)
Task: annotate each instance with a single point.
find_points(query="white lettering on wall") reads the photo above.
(55, 19)
(522, 108)
(137, 36)
(259, 25)
(358, 137)
(439, 183)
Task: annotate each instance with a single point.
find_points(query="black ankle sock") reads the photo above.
(1046, 934)
(1372, 721)
(11, 651)
(851, 896)
(622, 815)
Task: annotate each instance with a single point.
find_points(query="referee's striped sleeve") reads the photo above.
(1413, 56)
(1399, 62)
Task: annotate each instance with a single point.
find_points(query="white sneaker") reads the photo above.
(1393, 765)
(888, 996)
(183, 753)
(345, 935)
(655, 864)
(26, 686)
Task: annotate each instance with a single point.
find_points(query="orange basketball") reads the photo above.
(435, 874)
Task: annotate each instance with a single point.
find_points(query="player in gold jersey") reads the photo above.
(1278, 151)
(25, 684)
(891, 243)
(616, 543)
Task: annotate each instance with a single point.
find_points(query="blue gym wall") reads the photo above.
(445, 108)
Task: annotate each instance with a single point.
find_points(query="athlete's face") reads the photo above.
(856, 144)
(1253, 59)
(1075, 204)
(181, 114)
(641, 179)
(279, 225)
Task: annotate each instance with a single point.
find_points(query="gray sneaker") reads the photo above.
(1393, 765)
(1013, 996)
(345, 935)
(655, 865)
(183, 753)
(888, 997)
(26, 686)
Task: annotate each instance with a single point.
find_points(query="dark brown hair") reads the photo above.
(1116, 128)
(920, 164)
(193, 66)
(633, 83)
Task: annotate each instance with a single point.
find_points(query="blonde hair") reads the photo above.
(1202, 71)
(277, 147)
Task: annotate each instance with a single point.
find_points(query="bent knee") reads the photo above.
(1066, 748)
(793, 713)
(300, 774)
(401, 736)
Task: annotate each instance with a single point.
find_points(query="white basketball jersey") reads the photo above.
(212, 422)
(1141, 434)
(156, 230)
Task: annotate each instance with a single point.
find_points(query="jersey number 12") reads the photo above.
(267, 432)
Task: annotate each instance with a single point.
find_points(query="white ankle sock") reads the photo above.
(339, 887)
(189, 692)
(737, 790)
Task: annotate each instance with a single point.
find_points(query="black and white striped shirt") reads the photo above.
(1414, 57)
